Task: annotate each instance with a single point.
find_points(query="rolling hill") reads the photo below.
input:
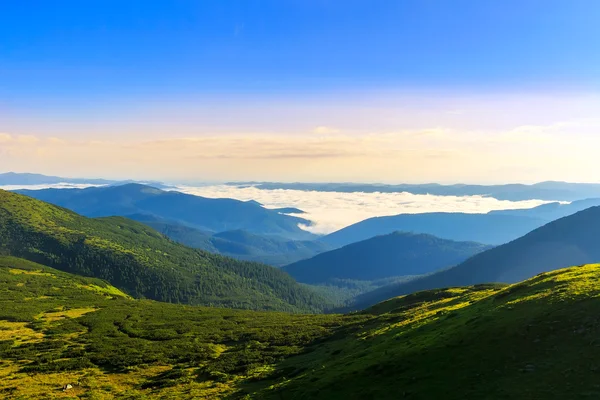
(571, 240)
(532, 340)
(141, 261)
(212, 215)
(392, 255)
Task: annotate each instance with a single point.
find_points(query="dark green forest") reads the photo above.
(142, 262)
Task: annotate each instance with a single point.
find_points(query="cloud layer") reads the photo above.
(331, 211)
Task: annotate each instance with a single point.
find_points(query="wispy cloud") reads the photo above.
(325, 130)
(565, 149)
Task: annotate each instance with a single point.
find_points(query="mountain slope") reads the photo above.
(532, 340)
(482, 228)
(268, 249)
(140, 261)
(396, 254)
(239, 244)
(58, 328)
(568, 241)
(213, 215)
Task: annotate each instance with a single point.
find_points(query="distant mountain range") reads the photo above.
(240, 244)
(496, 227)
(392, 255)
(13, 178)
(140, 261)
(559, 191)
(571, 240)
(205, 214)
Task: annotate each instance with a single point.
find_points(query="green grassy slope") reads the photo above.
(58, 328)
(534, 340)
(141, 261)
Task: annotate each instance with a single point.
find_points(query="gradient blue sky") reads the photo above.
(292, 90)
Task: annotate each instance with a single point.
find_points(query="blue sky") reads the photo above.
(135, 47)
(190, 69)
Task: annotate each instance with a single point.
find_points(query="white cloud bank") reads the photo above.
(331, 211)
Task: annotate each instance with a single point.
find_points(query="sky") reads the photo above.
(372, 91)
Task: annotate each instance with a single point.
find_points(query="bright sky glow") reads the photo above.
(378, 91)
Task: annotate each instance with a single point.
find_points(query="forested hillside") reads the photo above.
(141, 261)
(212, 215)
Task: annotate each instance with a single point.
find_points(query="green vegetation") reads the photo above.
(61, 328)
(142, 262)
(535, 339)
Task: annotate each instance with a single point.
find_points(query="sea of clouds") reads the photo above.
(330, 211)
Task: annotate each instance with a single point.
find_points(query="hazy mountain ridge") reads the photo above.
(392, 255)
(571, 240)
(212, 215)
(490, 229)
(550, 190)
(240, 244)
(494, 227)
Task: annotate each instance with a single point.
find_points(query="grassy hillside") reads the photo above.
(533, 340)
(140, 261)
(396, 254)
(571, 240)
(58, 329)
(212, 215)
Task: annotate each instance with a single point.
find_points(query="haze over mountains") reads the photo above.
(561, 191)
(393, 255)
(14, 178)
(495, 227)
(240, 244)
(572, 240)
